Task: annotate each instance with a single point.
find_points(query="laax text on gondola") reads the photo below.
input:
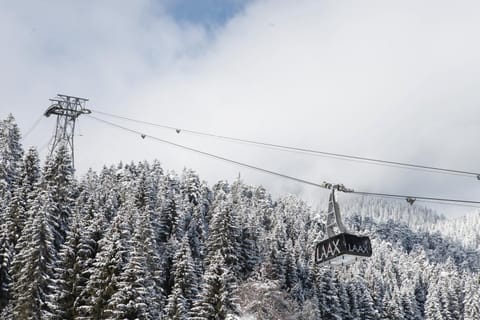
(343, 244)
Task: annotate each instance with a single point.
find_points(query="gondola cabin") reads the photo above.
(343, 249)
(340, 247)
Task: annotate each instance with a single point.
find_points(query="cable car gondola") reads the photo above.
(340, 248)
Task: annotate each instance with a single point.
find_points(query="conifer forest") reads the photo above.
(139, 241)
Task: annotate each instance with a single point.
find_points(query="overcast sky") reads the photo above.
(392, 80)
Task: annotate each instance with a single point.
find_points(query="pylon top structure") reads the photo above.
(67, 109)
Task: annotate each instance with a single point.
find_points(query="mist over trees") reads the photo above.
(136, 241)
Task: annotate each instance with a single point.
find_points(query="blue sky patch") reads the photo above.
(209, 13)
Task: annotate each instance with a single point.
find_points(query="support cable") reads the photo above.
(397, 164)
(46, 144)
(143, 136)
(34, 125)
(323, 185)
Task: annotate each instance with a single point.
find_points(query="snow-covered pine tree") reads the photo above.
(168, 216)
(7, 312)
(472, 298)
(373, 275)
(14, 218)
(343, 298)
(58, 180)
(155, 180)
(142, 190)
(192, 211)
(310, 310)
(91, 213)
(408, 304)
(216, 299)
(23, 193)
(6, 257)
(327, 294)
(94, 207)
(420, 277)
(249, 228)
(71, 274)
(11, 153)
(134, 297)
(273, 264)
(433, 306)
(392, 306)
(185, 285)
(353, 299)
(109, 263)
(108, 194)
(196, 230)
(262, 205)
(450, 293)
(291, 275)
(265, 299)
(144, 249)
(366, 307)
(249, 251)
(167, 253)
(165, 227)
(149, 246)
(224, 234)
(190, 186)
(33, 266)
(10, 158)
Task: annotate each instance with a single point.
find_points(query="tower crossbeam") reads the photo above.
(67, 109)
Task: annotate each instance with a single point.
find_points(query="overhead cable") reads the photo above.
(389, 163)
(46, 144)
(34, 125)
(143, 136)
(323, 185)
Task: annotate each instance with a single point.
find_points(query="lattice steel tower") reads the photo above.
(67, 109)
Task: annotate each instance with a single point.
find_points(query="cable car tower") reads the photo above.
(67, 109)
(340, 247)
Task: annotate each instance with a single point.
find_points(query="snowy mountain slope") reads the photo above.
(136, 241)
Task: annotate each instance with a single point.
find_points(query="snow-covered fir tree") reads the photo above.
(33, 266)
(185, 289)
(109, 264)
(71, 272)
(472, 298)
(12, 205)
(224, 234)
(11, 152)
(58, 181)
(216, 299)
(134, 298)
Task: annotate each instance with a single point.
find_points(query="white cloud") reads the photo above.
(388, 80)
